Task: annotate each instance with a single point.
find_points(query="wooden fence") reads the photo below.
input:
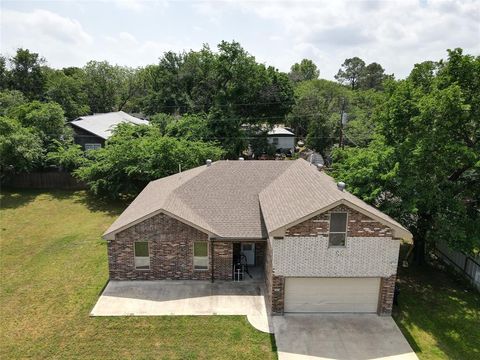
(44, 180)
(467, 265)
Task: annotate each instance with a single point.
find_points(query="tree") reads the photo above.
(424, 165)
(317, 105)
(305, 70)
(67, 156)
(68, 92)
(102, 85)
(26, 74)
(3, 73)
(10, 99)
(135, 155)
(190, 127)
(47, 119)
(372, 77)
(20, 148)
(351, 71)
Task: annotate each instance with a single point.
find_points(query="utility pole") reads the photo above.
(342, 115)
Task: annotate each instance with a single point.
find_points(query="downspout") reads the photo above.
(211, 255)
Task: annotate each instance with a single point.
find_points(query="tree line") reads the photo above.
(411, 145)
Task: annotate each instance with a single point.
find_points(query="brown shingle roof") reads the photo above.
(241, 199)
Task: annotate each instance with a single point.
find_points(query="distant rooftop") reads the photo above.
(102, 125)
(278, 130)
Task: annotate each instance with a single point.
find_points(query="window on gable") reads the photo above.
(200, 255)
(338, 229)
(142, 255)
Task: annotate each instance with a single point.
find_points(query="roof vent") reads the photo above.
(341, 185)
(319, 167)
(209, 162)
(241, 158)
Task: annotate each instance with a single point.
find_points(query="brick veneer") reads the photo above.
(385, 301)
(359, 225)
(274, 285)
(171, 252)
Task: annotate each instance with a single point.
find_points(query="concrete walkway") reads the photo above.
(150, 298)
(340, 336)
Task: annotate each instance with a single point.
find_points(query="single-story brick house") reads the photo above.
(320, 248)
(91, 131)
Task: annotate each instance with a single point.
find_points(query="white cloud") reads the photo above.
(395, 34)
(63, 41)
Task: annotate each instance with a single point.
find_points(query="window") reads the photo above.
(338, 229)
(275, 141)
(94, 146)
(142, 255)
(200, 255)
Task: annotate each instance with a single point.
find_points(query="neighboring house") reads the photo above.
(282, 138)
(321, 248)
(91, 131)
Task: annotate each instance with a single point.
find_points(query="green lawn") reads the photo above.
(53, 267)
(438, 314)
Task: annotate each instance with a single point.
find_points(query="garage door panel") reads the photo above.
(331, 294)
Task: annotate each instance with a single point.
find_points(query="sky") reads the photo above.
(396, 34)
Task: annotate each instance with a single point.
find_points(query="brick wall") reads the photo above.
(274, 285)
(359, 225)
(171, 252)
(385, 302)
(222, 260)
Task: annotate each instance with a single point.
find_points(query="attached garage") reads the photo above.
(356, 295)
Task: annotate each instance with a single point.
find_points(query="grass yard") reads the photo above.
(438, 314)
(53, 267)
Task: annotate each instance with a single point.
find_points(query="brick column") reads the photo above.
(387, 289)
(278, 294)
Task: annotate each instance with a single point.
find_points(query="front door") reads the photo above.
(248, 249)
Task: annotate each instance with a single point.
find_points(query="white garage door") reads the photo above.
(331, 294)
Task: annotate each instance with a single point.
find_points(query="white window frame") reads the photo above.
(338, 232)
(201, 257)
(141, 259)
(92, 146)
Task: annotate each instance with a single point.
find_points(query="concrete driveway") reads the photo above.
(340, 336)
(150, 298)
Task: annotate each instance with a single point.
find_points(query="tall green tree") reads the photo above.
(423, 166)
(68, 92)
(351, 71)
(305, 70)
(372, 77)
(102, 85)
(26, 74)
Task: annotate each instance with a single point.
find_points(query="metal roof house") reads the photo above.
(91, 131)
(282, 138)
(313, 245)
